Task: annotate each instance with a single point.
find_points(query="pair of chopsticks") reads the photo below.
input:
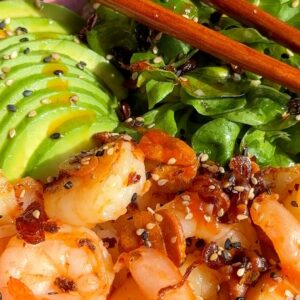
(216, 44)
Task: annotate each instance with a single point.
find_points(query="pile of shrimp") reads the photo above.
(151, 220)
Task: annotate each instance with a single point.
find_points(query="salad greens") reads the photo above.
(215, 106)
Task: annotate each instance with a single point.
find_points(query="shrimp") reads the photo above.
(71, 263)
(283, 229)
(96, 186)
(153, 273)
(191, 213)
(273, 285)
(171, 162)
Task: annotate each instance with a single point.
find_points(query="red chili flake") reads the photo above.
(88, 243)
(30, 224)
(133, 178)
(64, 284)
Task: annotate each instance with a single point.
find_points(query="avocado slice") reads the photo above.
(19, 9)
(78, 52)
(38, 25)
(50, 152)
(18, 39)
(30, 133)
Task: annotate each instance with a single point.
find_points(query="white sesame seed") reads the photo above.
(45, 101)
(288, 293)
(295, 4)
(186, 16)
(239, 188)
(134, 75)
(9, 82)
(22, 194)
(212, 187)
(254, 180)
(195, 19)
(127, 137)
(96, 5)
(207, 218)
(227, 185)
(13, 55)
(12, 133)
(185, 203)
(174, 239)
(128, 120)
(76, 40)
(140, 231)
(151, 125)
(162, 182)
(36, 214)
(241, 217)
(7, 21)
(186, 197)
(155, 50)
(237, 77)
(251, 194)
(172, 161)
(189, 216)
(140, 119)
(240, 272)
(158, 217)
(204, 157)
(109, 57)
(157, 60)
(199, 93)
(220, 213)
(221, 170)
(50, 179)
(187, 210)
(213, 257)
(150, 210)
(110, 151)
(298, 117)
(32, 114)
(155, 177)
(150, 226)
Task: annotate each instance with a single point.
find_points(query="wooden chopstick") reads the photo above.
(249, 14)
(210, 41)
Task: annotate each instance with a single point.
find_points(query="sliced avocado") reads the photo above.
(33, 25)
(16, 40)
(76, 136)
(19, 9)
(95, 63)
(31, 104)
(32, 132)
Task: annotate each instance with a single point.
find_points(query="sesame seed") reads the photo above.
(150, 210)
(241, 217)
(85, 160)
(21, 30)
(174, 239)
(288, 293)
(254, 180)
(68, 185)
(186, 16)
(189, 216)
(127, 137)
(81, 65)
(251, 194)
(12, 133)
(140, 119)
(11, 108)
(26, 51)
(239, 188)
(32, 114)
(295, 3)
(55, 136)
(151, 125)
(36, 214)
(298, 117)
(199, 93)
(212, 187)
(58, 72)
(22, 194)
(47, 59)
(222, 170)
(195, 19)
(155, 50)
(134, 75)
(9, 82)
(110, 151)
(45, 101)
(204, 157)
(24, 40)
(150, 226)
(172, 161)
(13, 55)
(96, 5)
(109, 57)
(162, 182)
(50, 179)
(240, 272)
(213, 257)
(76, 40)
(7, 21)
(158, 217)
(220, 213)
(157, 60)
(186, 203)
(186, 197)
(207, 218)
(139, 231)
(227, 185)
(27, 93)
(129, 120)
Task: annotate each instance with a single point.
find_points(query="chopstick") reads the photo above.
(249, 14)
(208, 40)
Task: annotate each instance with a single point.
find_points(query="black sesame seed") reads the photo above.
(2, 24)
(133, 198)
(285, 56)
(27, 93)
(294, 203)
(21, 30)
(100, 153)
(24, 40)
(144, 236)
(81, 65)
(58, 72)
(236, 245)
(199, 243)
(240, 298)
(11, 107)
(228, 244)
(26, 51)
(47, 59)
(68, 185)
(55, 136)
